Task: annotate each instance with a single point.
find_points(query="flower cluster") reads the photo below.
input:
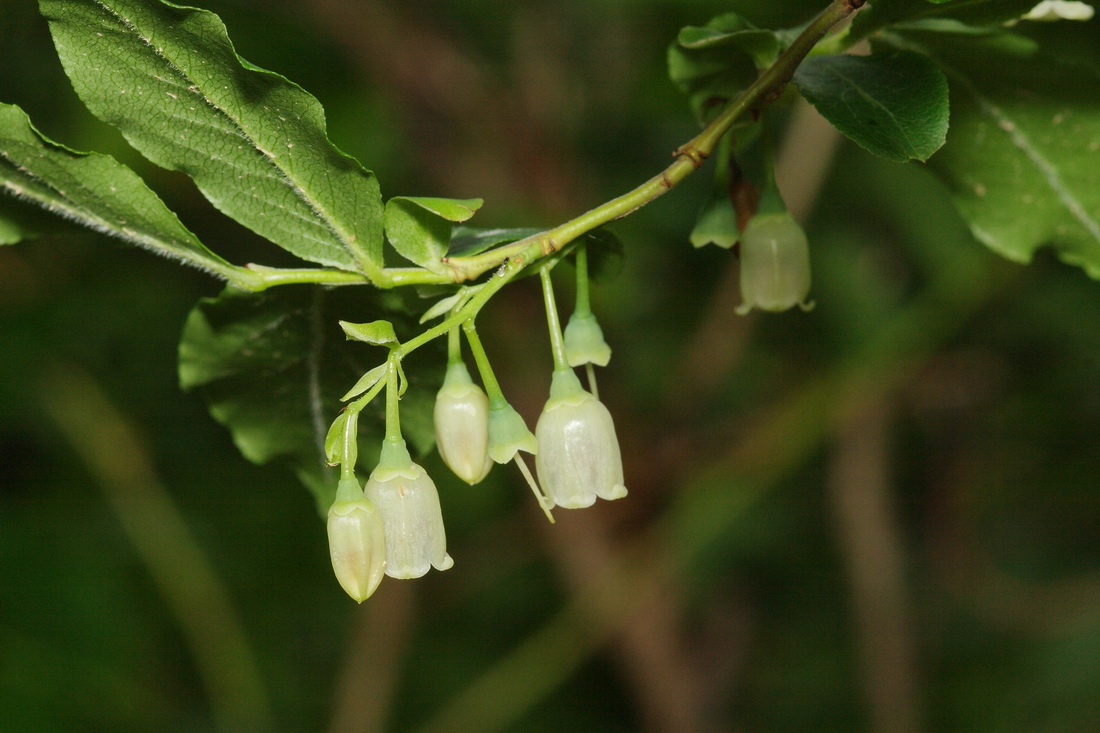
(394, 525)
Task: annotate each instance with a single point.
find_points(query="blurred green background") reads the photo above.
(881, 515)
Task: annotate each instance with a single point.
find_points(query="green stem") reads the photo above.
(454, 347)
(363, 401)
(474, 305)
(557, 342)
(689, 157)
(351, 445)
(259, 277)
(393, 411)
(583, 307)
(488, 378)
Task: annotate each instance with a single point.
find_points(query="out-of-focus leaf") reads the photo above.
(256, 145)
(1023, 150)
(893, 105)
(419, 228)
(93, 190)
(272, 367)
(879, 14)
(711, 64)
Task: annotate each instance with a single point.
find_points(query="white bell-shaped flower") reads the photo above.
(584, 342)
(462, 425)
(775, 264)
(578, 457)
(407, 499)
(356, 541)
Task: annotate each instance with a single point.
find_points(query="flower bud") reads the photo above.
(578, 458)
(462, 425)
(356, 541)
(409, 504)
(775, 264)
(584, 342)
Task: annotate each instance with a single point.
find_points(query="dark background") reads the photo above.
(880, 515)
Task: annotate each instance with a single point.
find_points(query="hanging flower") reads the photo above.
(462, 425)
(356, 541)
(407, 499)
(775, 264)
(578, 455)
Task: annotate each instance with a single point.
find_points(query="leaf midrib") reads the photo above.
(191, 86)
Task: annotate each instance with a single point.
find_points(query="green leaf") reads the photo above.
(95, 191)
(375, 332)
(365, 382)
(711, 64)
(168, 78)
(419, 228)
(334, 439)
(272, 367)
(879, 14)
(894, 105)
(469, 241)
(1023, 151)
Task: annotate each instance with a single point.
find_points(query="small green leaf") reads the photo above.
(470, 241)
(1023, 151)
(711, 64)
(334, 439)
(256, 144)
(95, 191)
(419, 228)
(893, 105)
(375, 332)
(441, 307)
(272, 366)
(365, 382)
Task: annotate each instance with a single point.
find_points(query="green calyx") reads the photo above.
(457, 380)
(584, 341)
(348, 492)
(508, 433)
(566, 389)
(395, 460)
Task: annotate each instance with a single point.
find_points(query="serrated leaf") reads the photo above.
(894, 105)
(419, 228)
(375, 332)
(711, 64)
(95, 191)
(1023, 151)
(256, 145)
(272, 366)
(469, 241)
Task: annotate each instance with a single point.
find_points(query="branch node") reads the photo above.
(692, 153)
